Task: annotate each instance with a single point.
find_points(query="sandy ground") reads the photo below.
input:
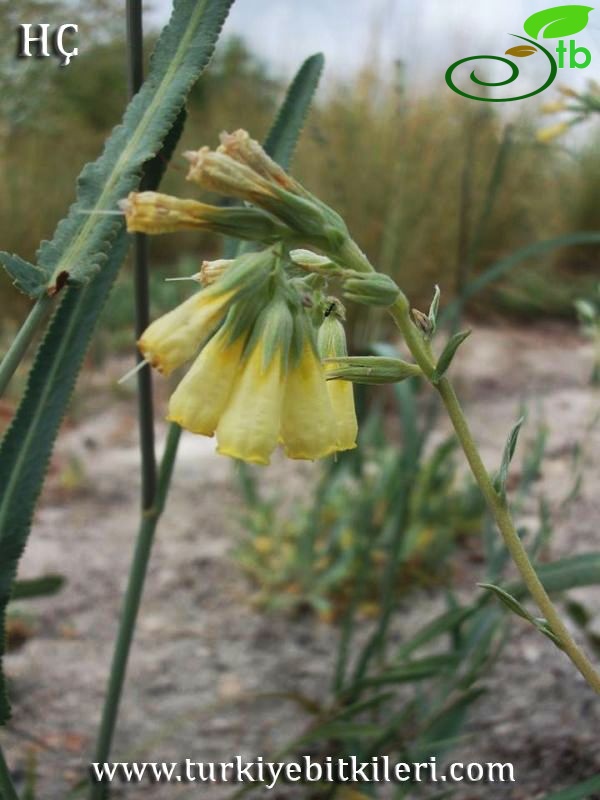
(202, 654)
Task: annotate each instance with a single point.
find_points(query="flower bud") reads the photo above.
(370, 369)
(241, 147)
(220, 173)
(424, 323)
(213, 270)
(372, 289)
(313, 262)
(332, 344)
(283, 197)
(153, 212)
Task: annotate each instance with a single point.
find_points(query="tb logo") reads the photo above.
(551, 23)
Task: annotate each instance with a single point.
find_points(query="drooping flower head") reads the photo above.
(257, 379)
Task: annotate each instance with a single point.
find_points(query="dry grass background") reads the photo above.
(410, 174)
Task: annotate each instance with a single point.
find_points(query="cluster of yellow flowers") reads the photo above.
(256, 333)
(579, 105)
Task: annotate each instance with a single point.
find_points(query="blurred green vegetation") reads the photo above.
(309, 556)
(412, 176)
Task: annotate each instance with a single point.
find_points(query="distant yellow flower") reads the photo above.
(567, 91)
(553, 132)
(332, 343)
(554, 107)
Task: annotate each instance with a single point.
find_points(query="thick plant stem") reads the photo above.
(497, 505)
(131, 604)
(22, 340)
(7, 788)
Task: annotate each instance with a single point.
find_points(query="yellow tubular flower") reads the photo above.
(332, 344)
(174, 338)
(249, 427)
(153, 212)
(308, 424)
(202, 395)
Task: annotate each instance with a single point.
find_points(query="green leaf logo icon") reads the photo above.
(558, 21)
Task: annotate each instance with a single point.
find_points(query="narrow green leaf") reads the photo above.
(408, 672)
(37, 587)
(503, 266)
(27, 444)
(581, 791)
(154, 115)
(564, 574)
(543, 626)
(507, 456)
(510, 602)
(364, 705)
(441, 625)
(557, 22)
(282, 138)
(449, 723)
(448, 354)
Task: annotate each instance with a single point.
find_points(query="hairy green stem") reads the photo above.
(352, 257)
(141, 280)
(131, 604)
(7, 787)
(22, 340)
(497, 505)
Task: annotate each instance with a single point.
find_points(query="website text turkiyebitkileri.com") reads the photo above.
(349, 770)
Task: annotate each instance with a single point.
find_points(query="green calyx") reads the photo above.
(371, 289)
(370, 369)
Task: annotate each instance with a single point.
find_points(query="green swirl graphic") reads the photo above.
(513, 77)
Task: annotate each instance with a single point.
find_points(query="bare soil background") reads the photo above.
(203, 654)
